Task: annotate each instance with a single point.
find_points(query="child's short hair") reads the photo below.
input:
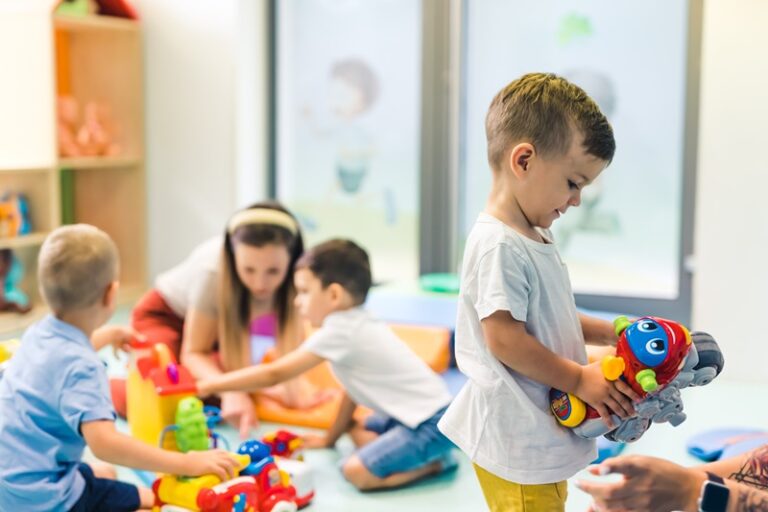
(75, 265)
(544, 109)
(340, 261)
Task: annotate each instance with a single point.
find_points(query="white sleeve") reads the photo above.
(328, 344)
(502, 283)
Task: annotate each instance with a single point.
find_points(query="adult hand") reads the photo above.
(237, 409)
(649, 484)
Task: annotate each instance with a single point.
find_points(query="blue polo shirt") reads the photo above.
(54, 383)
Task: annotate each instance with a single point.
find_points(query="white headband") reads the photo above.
(262, 216)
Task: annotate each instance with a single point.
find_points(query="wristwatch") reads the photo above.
(714, 495)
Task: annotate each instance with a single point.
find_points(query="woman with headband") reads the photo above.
(204, 307)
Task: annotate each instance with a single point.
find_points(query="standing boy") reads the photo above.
(518, 332)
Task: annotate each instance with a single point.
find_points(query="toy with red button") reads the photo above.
(657, 358)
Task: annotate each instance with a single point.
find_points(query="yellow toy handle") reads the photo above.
(612, 367)
(569, 409)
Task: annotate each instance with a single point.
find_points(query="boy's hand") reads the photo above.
(119, 336)
(217, 462)
(605, 396)
(312, 441)
(237, 410)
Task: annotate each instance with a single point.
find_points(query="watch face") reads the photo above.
(714, 498)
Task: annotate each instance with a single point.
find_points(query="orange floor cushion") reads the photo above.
(431, 344)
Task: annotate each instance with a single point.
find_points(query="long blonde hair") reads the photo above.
(234, 299)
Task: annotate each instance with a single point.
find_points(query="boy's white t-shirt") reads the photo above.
(193, 283)
(500, 418)
(377, 369)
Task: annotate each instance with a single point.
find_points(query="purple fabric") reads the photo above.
(265, 325)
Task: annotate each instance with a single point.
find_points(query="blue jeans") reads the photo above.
(400, 448)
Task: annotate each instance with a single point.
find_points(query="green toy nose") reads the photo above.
(647, 380)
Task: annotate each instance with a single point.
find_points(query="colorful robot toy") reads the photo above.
(657, 358)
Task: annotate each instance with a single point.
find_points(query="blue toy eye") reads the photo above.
(655, 346)
(647, 326)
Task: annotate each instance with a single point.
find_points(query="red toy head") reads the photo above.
(654, 350)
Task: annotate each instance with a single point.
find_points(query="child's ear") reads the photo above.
(520, 157)
(110, 294)
(336, 292)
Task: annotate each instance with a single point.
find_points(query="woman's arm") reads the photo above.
(651, 484)
(200, 334)
(262, 375)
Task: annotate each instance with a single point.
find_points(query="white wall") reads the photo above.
(205, 149)
(730, 294)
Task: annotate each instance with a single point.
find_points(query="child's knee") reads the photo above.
(358, 475)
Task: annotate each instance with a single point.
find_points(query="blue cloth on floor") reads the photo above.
(710, 445)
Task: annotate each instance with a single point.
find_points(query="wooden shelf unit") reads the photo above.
(90, 58)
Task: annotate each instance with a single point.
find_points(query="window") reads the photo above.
(348, 124)
(624, 240)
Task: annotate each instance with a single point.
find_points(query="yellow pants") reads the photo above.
(505, 496)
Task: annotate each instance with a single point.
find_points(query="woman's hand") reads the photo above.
(238, 410)
(649, 484)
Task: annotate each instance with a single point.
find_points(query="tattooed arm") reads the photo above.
(750, 494)
(746, 499)
(652, 484)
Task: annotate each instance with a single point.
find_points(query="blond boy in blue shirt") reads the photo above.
(518, 332)
(54, 397)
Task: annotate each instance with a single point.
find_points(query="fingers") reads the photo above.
(620, 404)
(626, 390)
(605, 414)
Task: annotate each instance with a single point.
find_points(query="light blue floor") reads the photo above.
(720, 404)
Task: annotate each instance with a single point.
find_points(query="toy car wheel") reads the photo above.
(710, 355)
(630, 431)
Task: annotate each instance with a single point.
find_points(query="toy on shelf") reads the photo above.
(14, 215)
(657, 358)
(93, 136)
(11, 272)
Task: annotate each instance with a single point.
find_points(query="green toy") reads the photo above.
(194, 422)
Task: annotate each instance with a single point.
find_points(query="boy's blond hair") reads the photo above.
(547, 111)
(75, 266)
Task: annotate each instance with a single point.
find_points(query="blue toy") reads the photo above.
(11, 273)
